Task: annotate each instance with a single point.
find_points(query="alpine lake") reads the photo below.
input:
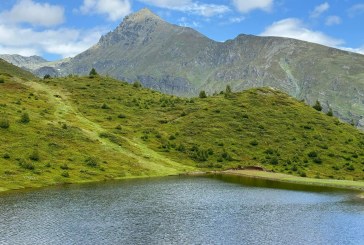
(216, 209)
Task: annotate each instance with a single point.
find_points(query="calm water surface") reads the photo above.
(181, 210)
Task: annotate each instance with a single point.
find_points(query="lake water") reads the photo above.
(182, 210)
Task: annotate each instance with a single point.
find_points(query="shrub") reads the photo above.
(312, 154)
(202, 94)
(330, 113)
(317, 160)
(4, 123)
(65, 174)
(6, 156)
(350, 168)
(105, 106)
(181, 148)
(254, 143)
(26, 165)
(303, 174)
(121, 116)
(274, 161)
(24, 118)
(64, 166)
(93, 73)
(137, 84)
(47, 76)
(91, 161)
(34, 156)
(228, 89)
(2, 80)
(317, 106)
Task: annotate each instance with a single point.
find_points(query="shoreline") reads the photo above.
(249, 173)
(279, 177)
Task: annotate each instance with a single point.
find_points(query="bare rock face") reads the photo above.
(179, 60)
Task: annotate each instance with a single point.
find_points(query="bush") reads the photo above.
(137, 84)
(93, 73)
(330, 113)
(24, 118)
(34, 156)
(254, 143)
(64, 166)
(274, 161)
(317, 106)
(317, 160)
(26, 165)
(47, 76)
(6, 156)
(65, 174)
(2, 80)
(91, 161)
(4, 123)
(121, 116)
(312, 154)
(202, 94)
(105, 106)
(228, 89)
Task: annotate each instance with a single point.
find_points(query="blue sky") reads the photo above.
(57, 29)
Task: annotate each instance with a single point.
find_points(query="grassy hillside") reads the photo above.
(88, 129)
(9, 70)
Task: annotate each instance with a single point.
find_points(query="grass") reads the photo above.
(346, 184)
(85, 129)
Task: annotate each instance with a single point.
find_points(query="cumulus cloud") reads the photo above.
(63, 41)
(333, 20)
(114, 9)
(188, 6)
(295, 28)
(28, 11)
(319, 10)
(245, 6)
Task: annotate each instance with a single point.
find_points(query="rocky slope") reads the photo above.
(178, 60)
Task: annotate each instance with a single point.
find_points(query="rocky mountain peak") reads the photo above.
(142, 15)
(136, 28)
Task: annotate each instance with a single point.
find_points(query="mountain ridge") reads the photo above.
(179, 60)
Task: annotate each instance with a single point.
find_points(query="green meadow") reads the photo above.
(81, 129)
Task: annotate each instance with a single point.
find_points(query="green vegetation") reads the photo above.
(8, 71)
(317, 106)
(93, 73)
(82, 129)
(202, 94)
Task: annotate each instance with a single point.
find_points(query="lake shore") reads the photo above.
(258, 174)
(342, 184)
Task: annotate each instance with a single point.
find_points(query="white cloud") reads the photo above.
(355, 50)
(188, 6)
(245, 6)
(28, 11)
(295, 28)
(235, 20)
(333, 20)
(319, 10)
(114, 9)
(356, 10)
(63, 41)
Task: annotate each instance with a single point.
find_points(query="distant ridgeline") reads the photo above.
(179, 60)
(78, 129)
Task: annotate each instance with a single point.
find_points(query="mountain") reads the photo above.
(8, 70)
(79, 129)
(178, 60)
